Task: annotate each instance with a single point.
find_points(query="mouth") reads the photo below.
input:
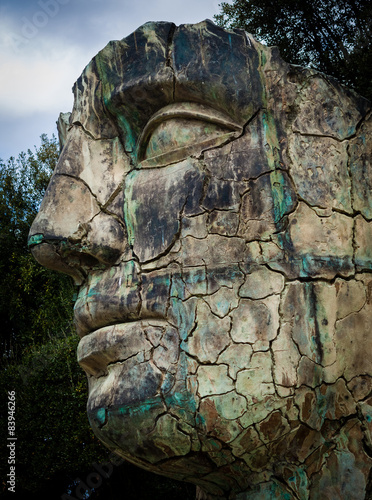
(120, 295)
(118, 343)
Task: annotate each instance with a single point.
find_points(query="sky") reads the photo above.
(45, 45)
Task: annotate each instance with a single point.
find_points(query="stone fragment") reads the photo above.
(155, 293)
(261, 282)
(223, 301)
(286, 358)
(247, 441)
(230, 90)
(350, 347)
(120, 429)
(89, 111)
(327, 109)
(214, 424)
(166, 353)
(195, 226)
(212, 251)
(255, 382)
(213, 380)
(209, 338)
(320, 171)
(195, 280)
(309, 373)
(361, 169)
(230, 406)
(350, 296)
(128, 383)
(104, 238)
(360, 387)
(242, 159)
(169, 438)
(318, 247)
(100, 164)
(256, 322)
(236, 357)
(310, 310)
(223, 222)
(267, 201)
(154, 199)
(330, 402)
(273, 427)
(66, 206)
(130, 94)
(363, 238)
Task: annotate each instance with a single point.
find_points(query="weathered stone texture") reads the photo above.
(213, 203)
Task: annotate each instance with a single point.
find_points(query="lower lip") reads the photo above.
(116, 343)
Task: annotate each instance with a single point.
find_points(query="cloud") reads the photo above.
(37, 84)
(45, 45)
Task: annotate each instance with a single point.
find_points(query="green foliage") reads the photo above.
(333, 36)
(35, 304)
(37, 339)
(53, 434)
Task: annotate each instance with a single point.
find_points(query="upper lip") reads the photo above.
(118, 295)
(106, 299)
(90, 316)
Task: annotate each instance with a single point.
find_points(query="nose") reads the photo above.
(80, 223)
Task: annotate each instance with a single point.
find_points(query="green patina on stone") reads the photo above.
(35, 239)
(284, 197)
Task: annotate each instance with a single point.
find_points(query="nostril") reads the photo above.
(79, 258)
(63, 255)
(47, 254)
(79, 234)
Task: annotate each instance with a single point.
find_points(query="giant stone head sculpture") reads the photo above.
(213, 204)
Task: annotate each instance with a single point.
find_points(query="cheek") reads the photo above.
(154, 201)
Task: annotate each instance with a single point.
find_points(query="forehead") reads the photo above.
(131, 79)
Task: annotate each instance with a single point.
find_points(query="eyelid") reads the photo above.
(191, 111)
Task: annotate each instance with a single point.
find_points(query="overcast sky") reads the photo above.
(45, 45)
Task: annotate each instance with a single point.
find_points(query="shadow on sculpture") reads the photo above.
(214, 205)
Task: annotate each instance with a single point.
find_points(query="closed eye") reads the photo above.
(180, 130)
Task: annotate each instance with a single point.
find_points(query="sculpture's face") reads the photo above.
(217, 223)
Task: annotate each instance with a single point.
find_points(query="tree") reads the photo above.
(332, 36)
(35, 304)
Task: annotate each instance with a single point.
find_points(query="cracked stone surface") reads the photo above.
(213, 205)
